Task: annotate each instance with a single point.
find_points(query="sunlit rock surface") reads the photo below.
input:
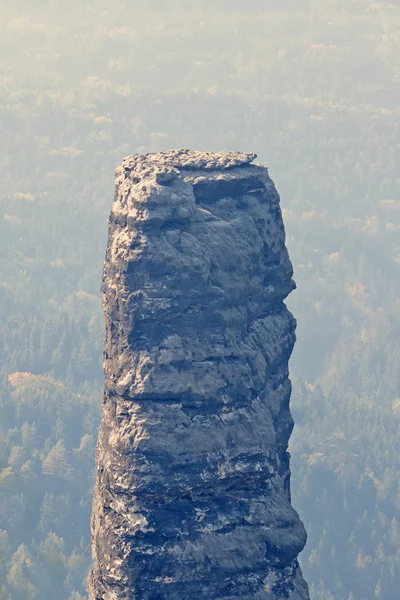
(192, 499)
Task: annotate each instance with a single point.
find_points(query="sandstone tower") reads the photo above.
(192, 499)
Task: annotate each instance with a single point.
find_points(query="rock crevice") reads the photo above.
(192, 498)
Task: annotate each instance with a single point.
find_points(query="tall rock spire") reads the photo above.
(192, 498)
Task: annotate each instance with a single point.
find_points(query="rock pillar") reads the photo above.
(192, 498)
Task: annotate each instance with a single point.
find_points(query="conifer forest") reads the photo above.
(314, 89)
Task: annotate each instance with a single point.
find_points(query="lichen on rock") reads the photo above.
(192, 497)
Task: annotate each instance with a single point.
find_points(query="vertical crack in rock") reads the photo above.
(192, 498)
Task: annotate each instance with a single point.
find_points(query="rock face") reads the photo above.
(192, 499)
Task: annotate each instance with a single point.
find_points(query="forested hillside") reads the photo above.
(314, 89)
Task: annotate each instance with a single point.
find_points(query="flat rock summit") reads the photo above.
(192, 497)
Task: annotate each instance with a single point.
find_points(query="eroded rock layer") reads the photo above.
(192, 499)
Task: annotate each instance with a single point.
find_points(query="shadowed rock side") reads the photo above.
(192, 499)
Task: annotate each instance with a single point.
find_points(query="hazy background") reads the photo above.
(314, 88)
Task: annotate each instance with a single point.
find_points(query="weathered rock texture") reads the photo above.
(192, 499)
